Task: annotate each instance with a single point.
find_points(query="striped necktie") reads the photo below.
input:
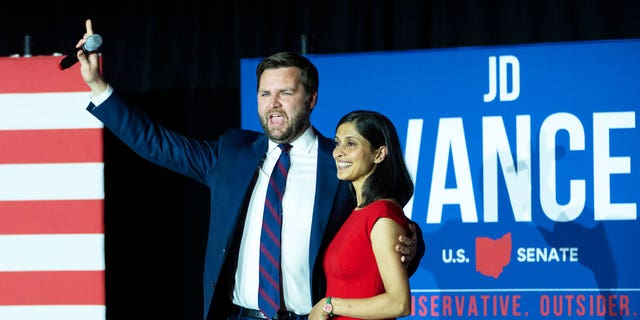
(269, 293)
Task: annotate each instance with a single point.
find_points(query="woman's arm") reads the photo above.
(396, 300)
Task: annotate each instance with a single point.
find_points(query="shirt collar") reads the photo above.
(304, 143)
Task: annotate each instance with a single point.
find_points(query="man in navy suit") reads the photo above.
(236, 168)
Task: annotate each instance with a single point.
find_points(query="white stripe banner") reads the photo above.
(65, 110)
(52, 181)
(52, 252)
(52, 262)
(64, 312)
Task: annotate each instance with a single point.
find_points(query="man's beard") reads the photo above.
(291, 132)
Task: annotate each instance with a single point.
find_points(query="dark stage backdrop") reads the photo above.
(179, 61)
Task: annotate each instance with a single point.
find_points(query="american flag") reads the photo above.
(51, 194)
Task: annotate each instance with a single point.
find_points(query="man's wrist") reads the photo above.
(100, 98)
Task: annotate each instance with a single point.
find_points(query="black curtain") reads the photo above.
(179, 61)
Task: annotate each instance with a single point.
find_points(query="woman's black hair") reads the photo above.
(390, 179)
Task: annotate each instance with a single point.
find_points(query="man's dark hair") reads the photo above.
(308, 72)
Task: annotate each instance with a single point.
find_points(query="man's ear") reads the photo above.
(312, 99)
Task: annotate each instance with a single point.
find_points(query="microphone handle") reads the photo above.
(91, 45)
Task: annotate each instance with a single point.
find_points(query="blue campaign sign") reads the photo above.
(526, 162)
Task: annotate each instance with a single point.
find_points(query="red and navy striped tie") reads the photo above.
(269, 292)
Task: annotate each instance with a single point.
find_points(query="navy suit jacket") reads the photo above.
(227, 165)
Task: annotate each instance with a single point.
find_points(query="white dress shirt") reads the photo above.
(297, 204)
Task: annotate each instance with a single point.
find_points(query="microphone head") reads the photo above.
(93, 43)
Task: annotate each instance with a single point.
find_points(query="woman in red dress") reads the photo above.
(365, 276)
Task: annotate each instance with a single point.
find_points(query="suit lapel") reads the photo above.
(237, 178)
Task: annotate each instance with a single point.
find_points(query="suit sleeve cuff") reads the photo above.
(99, 99)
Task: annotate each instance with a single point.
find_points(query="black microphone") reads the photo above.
(92, 44)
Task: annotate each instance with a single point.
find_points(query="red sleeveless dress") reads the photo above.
(349, 262)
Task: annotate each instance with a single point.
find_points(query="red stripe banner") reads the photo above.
(52, 287)
(51, 217)
(51, 146)
(51, 194)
